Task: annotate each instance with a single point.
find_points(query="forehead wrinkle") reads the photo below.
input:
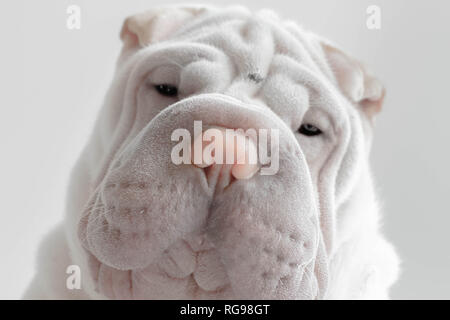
(308, 47)
(251, 42)
(259, 37)
(213, 20)
(322, 92)
(287, 44)
(254, 46)
(248, 43)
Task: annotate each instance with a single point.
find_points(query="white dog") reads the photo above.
(140, 226)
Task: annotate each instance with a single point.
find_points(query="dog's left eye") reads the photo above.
(166, 90)
(309, 130)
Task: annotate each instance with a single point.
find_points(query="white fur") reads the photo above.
(326, 180)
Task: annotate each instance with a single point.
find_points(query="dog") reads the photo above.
(140, 226)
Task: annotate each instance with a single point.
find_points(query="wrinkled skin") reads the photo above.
(142, 227)
(140, 216)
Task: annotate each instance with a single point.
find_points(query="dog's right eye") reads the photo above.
(309, 130)
(166, 90)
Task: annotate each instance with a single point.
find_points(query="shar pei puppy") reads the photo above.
(147, 219)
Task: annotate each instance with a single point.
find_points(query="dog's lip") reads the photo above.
(197, 242)
(197, 291)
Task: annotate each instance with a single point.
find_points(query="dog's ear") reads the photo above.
(157, 24)
(355, 81)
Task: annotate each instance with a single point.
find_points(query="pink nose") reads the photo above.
(220, 146)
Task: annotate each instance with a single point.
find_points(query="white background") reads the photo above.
(53, 81)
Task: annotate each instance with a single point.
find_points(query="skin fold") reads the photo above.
(140, 226)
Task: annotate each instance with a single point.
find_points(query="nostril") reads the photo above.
(209, 171)
(219, 176)
(244, 171)
(225, 147)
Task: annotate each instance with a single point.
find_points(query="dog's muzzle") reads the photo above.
(262, 229)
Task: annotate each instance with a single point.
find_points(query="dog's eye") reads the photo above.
(166, 90)
(309, 130)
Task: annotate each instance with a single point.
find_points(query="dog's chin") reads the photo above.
(189, 269)
(236, 250)
(127, 262)
(193, 267)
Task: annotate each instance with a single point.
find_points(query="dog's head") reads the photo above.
(153, 227)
